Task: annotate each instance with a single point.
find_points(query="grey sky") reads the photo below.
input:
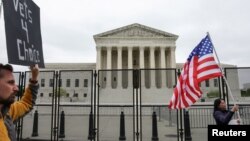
(68, 26)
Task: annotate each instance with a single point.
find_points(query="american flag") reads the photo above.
(200, 66)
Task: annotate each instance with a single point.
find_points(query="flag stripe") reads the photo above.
(208, 68)
(209, 76)
(207, 64)
(209, 72)
(206, 58)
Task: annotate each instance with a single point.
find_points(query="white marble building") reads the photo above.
(119, 52)
(135, 47)
(76, 85)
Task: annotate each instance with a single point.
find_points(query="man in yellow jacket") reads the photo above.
(11, 111)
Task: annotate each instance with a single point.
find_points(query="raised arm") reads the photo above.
(25, 105)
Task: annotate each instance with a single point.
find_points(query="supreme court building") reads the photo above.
(136, 47)
(119, 52)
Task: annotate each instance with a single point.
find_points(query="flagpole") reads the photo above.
(230, 91)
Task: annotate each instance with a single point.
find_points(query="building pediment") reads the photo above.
(135, 31)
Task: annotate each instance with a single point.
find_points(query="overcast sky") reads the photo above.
(68, 26)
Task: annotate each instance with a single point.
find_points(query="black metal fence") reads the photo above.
(202, 115)
(121, 105)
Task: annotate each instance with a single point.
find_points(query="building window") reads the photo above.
(216, 82)
(77, 83)
(51, 82)
(50, 94)
(68, 83)
(85, 83)
(104, 79)
(75, 95)
(67, 95)
(42, 82)
(85, 95)
(41, 94)
(114, 78)
(207, 83)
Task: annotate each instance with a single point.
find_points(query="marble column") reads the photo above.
(109, 60)
(172, 54)
(142, 66)
(109, 65)
(98, 58)
(172, 65)
(169, 77)
(99, 66)
(163, 66)
(119, 66)
(130, 66)
(152, 66)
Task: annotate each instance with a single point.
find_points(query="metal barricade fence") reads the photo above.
(93, 102)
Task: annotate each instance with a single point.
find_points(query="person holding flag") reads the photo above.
(221, 115)
(199, 66)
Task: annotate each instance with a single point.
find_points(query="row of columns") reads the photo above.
(130, 51)
(170, 56)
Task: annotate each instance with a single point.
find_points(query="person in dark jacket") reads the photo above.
(221, 115)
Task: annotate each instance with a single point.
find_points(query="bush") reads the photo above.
(245, 93)
(203, 99)
(213, 94)
(63, 92)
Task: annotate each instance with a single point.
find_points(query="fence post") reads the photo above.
(154, 128)
(187, 126)
(62, 126)
(35, 125)
(122, 127)
(91, 130)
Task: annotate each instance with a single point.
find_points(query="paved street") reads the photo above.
(76, 127)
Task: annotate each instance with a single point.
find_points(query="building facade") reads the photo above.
(119, 53)
(74, 81)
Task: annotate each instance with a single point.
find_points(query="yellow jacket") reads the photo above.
(9, 115)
